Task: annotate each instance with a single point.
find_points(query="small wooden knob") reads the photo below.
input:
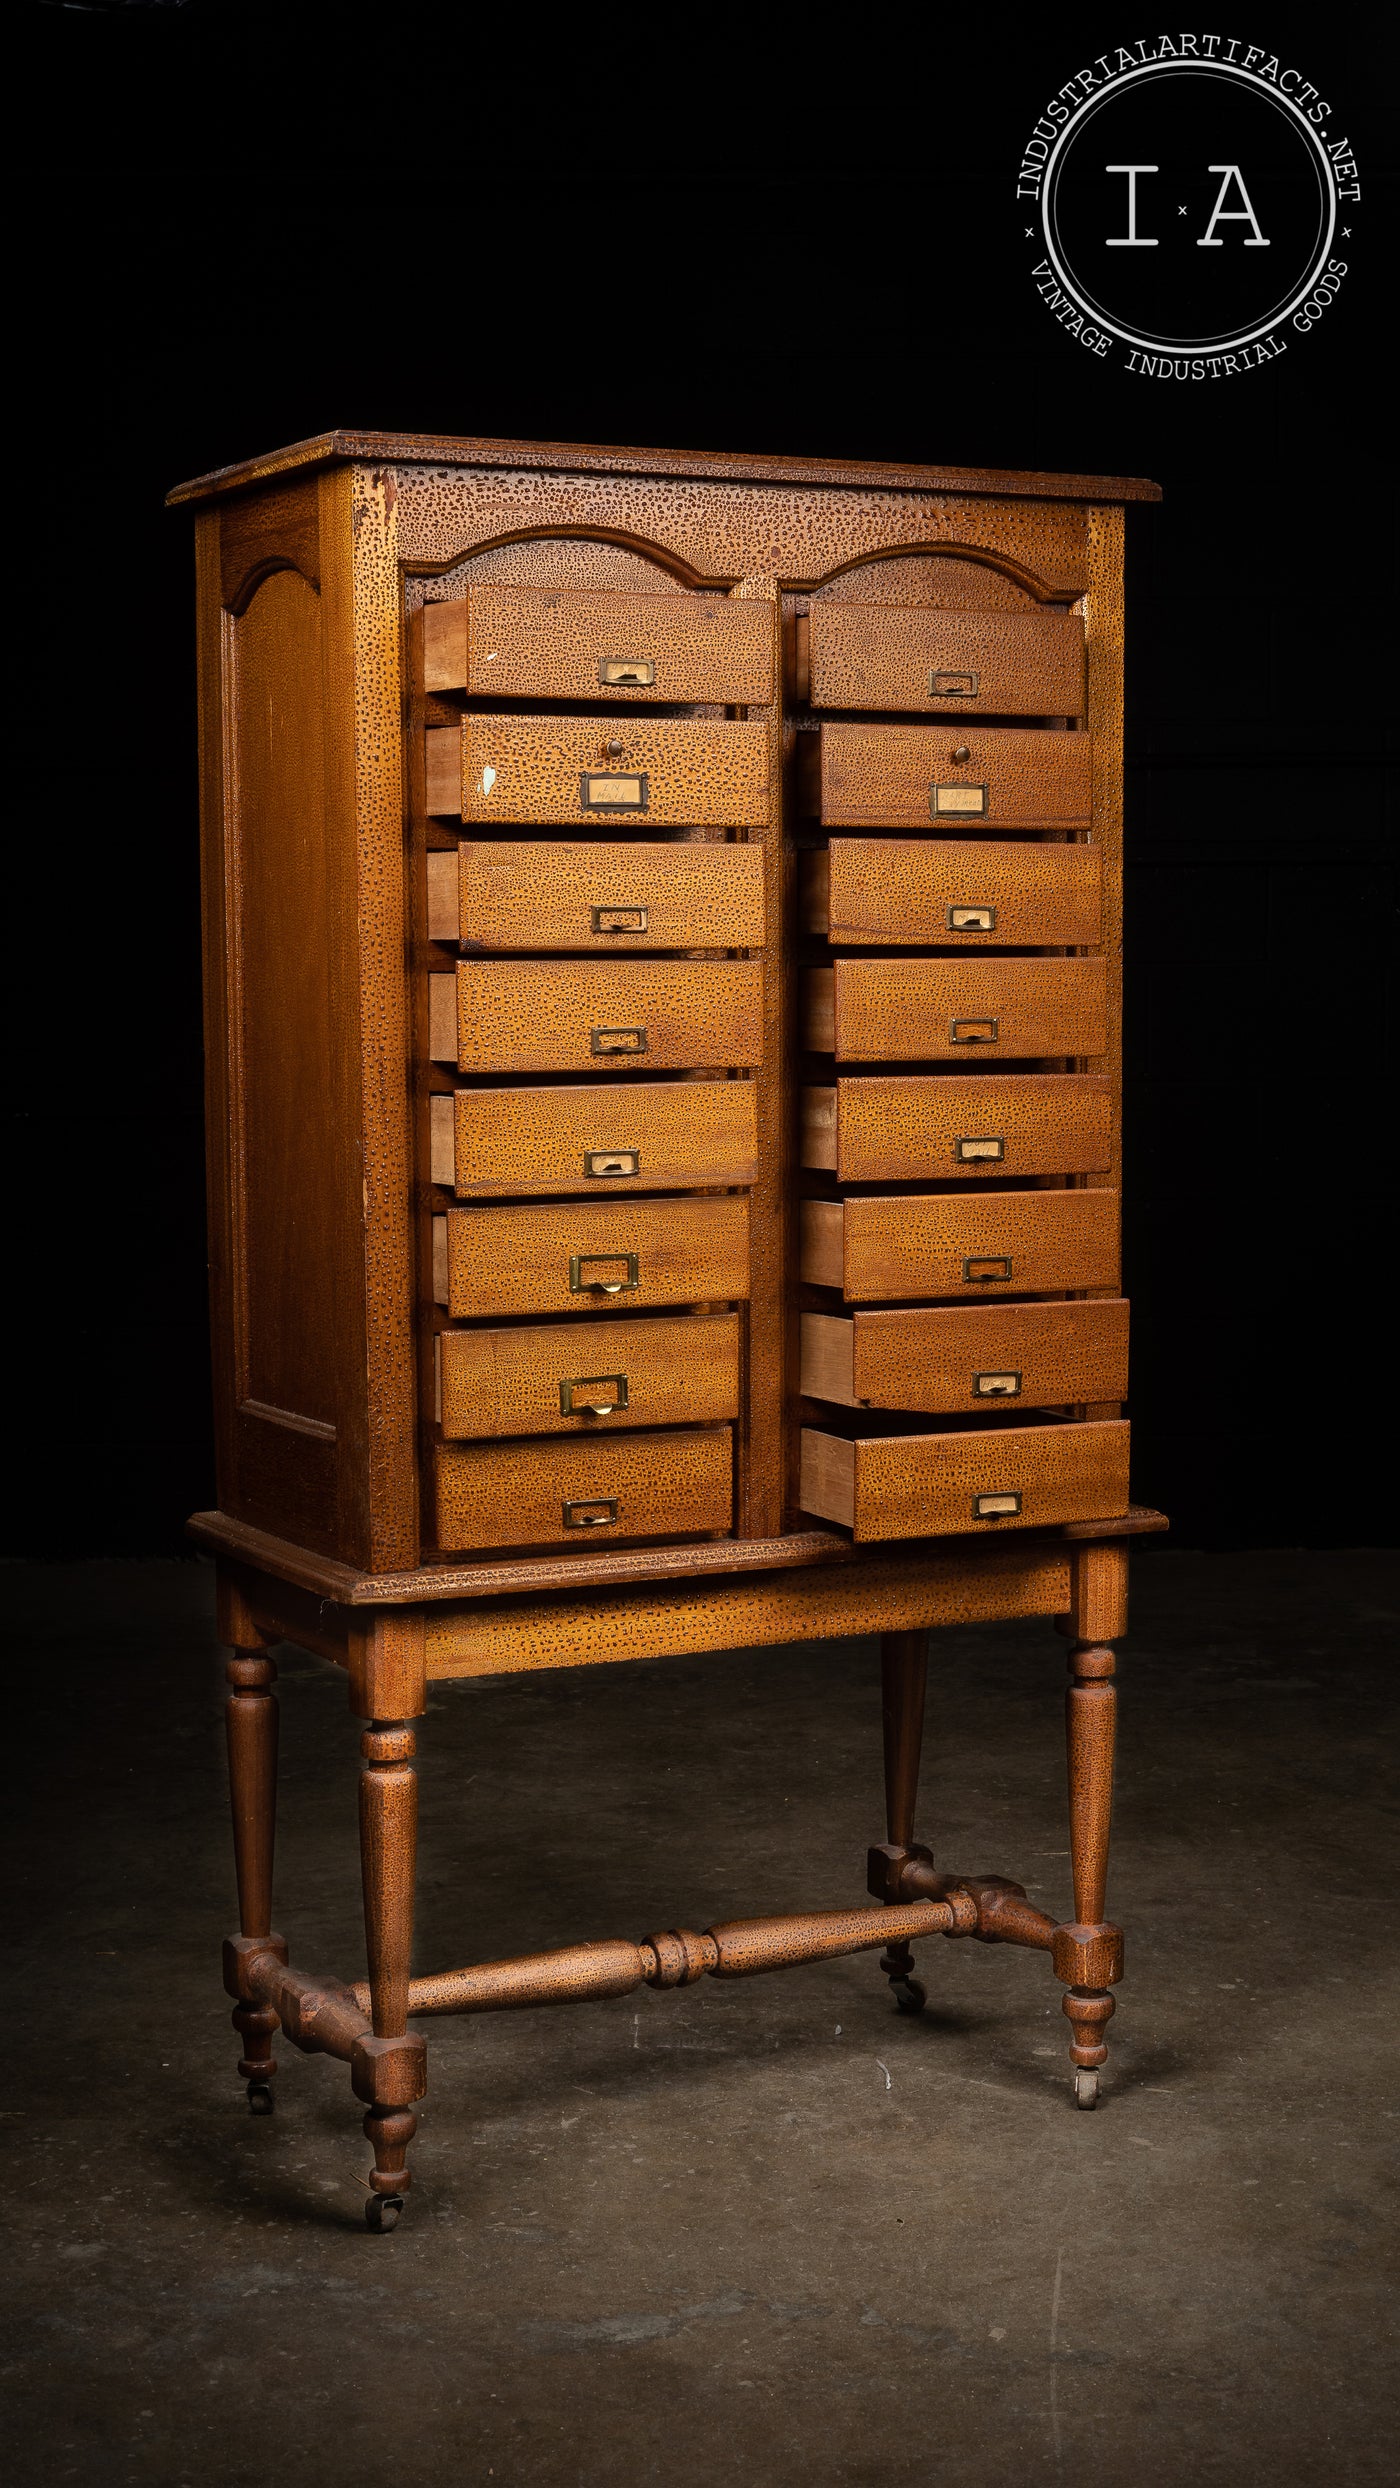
(962, 752)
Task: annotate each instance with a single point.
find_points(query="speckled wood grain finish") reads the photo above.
(536, 1140)
(585, 1015)
(699, 772)
(889, 1593)
(898, 1130)
(965, 1357)
(681, 1371)
(522, 1260)
(710, 533)
(551, 544)
(893, 656)
(1018, 1243)
(544, 895)
(926, 1485)
(927, 1010)
(538, 643)
(670, 1484)
(879, 777)
(906, 890)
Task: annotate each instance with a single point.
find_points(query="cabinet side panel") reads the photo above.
(282, 1144)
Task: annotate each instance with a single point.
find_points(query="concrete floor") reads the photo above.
(768, 2232)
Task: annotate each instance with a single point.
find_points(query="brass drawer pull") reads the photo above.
(574, 1400)
(599, 1512)
(996, 1386)
(996, 1507)
(969, 1152)
(612, 1161)
(619, 919)
(953, 686)
(580, 1286)
(617, 1040)
(616, 672)
(944, 799)
(974, 1031)
(613, 794)
(986, 1266)
(972, 919)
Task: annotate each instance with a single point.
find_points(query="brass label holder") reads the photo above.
(974, 1031)
(959, 685)
(970, 1150)
(596, 1512)
(972, 919)
(617, 1040)
(619, 919)
(980, 1266)
(613, 793)
(612, 1161)
(627, 673)
(954, 798)
(996, 1386)
(574, 1400)
(580, 1286)
(996, 1507)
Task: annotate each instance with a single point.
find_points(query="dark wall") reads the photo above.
(193, 302)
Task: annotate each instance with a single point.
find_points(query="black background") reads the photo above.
(245, 225)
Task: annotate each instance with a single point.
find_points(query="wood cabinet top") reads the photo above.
(434, 449)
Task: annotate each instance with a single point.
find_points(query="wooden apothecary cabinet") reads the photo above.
(662, 948)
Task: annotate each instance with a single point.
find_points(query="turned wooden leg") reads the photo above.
(251, 1718)
(904, 1680)
(387, 2068)
(1088, 1955)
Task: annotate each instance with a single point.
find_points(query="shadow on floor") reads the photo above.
(767, 2232)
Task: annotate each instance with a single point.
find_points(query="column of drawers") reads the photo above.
(958, 898)
(601, 1026)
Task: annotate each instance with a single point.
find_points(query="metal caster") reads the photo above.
(260, 2099)
(910, 1994)
(1086, 2087)
(382, 2212)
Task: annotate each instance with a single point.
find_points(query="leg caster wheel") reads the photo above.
(260, 2099)
(382, 2212)
(1086, 2088)
(910, 1994)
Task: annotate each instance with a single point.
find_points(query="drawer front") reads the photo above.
(608, 898)
(911, 777)
(900, 1130)
(966, 1357)
(535, 643)
(650, 1136)
(588, 1377)
(956, 664)
(946, 1485)
(931, 1010)
(946, 893)
(569, 1494)
(597, 1256)
(979, 1245)
(627, 1014)
(663, 772)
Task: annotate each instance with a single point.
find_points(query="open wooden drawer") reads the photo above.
(911, 1485)
(952, 1357)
